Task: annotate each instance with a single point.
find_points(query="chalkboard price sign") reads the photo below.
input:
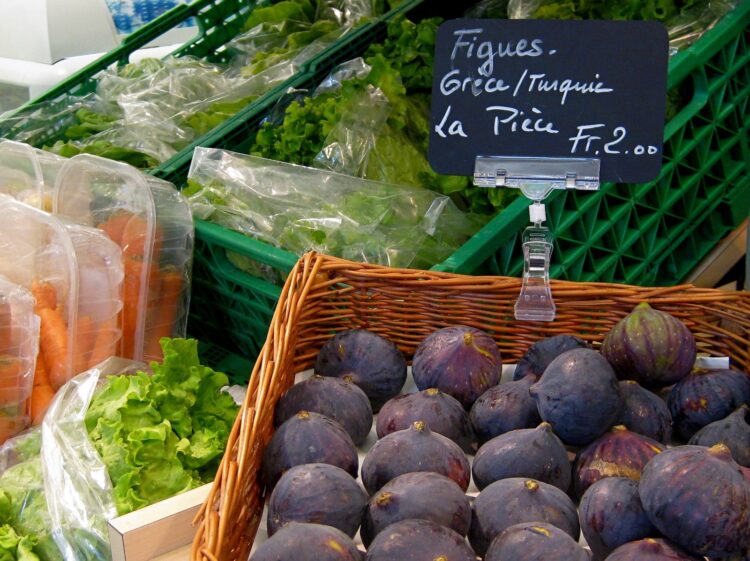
(563, 89)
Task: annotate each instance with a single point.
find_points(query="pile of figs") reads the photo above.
(624, 446)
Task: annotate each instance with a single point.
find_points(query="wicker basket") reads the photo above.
(324, 294)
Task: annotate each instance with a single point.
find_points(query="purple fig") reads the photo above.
(461, 361)
(367, 359)
(419, 540)
(706, 396)
(420, 494)
(319, 494)
(529, 453)
(652, 347)
(650, 549)
(414, 449)
(308, 438)
(538, 356)
(516, 500)
(644, 412)
(300, 542)
(611, 515)
(336, 398)
(734, 431)
(617, 453)
(504, 408)
(441, 413)
(578, 395)
(698, 498)
(535, 541)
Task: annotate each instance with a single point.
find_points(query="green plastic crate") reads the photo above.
(219, 21)
(651, 234)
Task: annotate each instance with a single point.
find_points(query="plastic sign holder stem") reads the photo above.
(536, 178)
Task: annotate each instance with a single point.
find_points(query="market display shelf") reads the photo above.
(218, 22)
(650, 234)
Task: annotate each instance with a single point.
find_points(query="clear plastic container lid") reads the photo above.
(75, 275)
(19, 342)
(28, 174)
(152, 223)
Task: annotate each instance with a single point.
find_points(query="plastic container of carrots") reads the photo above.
(19, 342)
(75, 276)
(152, 224)
(28, 174)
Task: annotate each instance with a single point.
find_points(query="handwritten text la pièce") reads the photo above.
(468, 46)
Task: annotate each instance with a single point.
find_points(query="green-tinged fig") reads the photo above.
(578, 395)
(420, 494)
(419, 540)
(461, 361)
(441, 413)
(504, 408)
(617, 453)
(733, 431)
(336, 398)
(535, 541)
(319, 494)
(308, 438)
(367, 359)
(652, 347)
(698, 498)
(516, 500)
(706, 396)
(530, 453)
(644, 412)
(414, 449)
(650, 549)
(538, 356)
(307, 542)
(611, 515)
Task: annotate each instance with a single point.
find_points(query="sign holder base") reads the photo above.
(536, 178)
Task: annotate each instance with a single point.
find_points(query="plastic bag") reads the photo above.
(55, 486)
(299, 209)
(686, 20)
(19, 343)
(151, 223)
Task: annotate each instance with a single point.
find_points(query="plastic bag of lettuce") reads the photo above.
(116, 438)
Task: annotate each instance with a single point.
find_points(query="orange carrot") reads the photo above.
(161, 321)
(106, 342)
(6, 327)
(85, 338)
(45, 295)
(115, 225)
(53, 344)
(11, 426)
(134, 238)
(11, 369)
(41, 397)
(131, 290)
(41, 378)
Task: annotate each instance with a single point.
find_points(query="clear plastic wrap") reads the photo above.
(686, 20)
(28, 174)
(300, 208)
(152, 224)
(144, 113)
(54, 487)
(75, 275)
(19, 343)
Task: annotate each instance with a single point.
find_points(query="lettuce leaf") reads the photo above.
(161, 434)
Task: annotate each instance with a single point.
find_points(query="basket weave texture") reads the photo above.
(324, 295)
